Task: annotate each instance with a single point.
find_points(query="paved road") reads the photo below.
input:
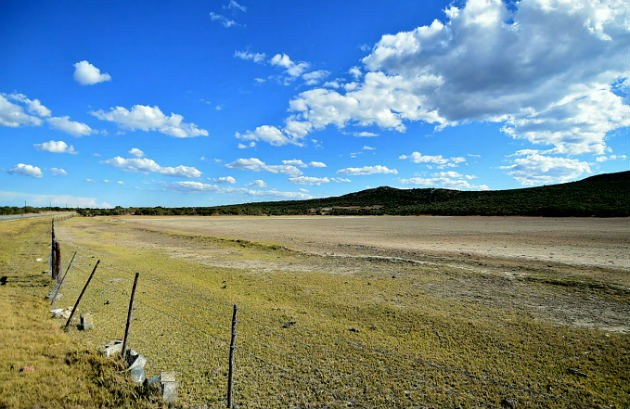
(26, 216)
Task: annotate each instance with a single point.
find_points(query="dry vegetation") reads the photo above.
(40, 366)
(325, 322)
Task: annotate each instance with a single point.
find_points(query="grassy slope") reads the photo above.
(399, 315)
(66, 374)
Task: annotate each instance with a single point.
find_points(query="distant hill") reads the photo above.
(606, 195)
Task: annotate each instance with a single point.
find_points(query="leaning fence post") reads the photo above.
(76, 304)
(60, 283)
(133, 294)
(231, 368)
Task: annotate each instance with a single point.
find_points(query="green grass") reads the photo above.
(67, 373)
(414, 346)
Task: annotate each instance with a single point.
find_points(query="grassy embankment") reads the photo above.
(65, 373)
(412, 345)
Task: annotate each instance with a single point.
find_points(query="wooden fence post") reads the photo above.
(133, 294)
(52, 246)
(76, 304)
(230, 403)
(57, 263)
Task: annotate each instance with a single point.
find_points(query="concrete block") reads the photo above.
(168, 381)
(87, 321)
(136, 364)
(113, 348)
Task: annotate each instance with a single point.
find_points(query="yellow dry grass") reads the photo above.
(65, 373)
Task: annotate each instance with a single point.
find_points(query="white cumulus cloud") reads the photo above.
(55, 147)
(58, 172)
(225, 179)
(259, 183)
(150, 118)
(537, 169)
(316, 164)
(544, 70)
(136, 152)
(87, 74)
(447, 180)
(266, 133)
(146, 165)
(292, 68)
(64, 124)
(368, 170)
(256, 165)
(26, 170)
(438, 160)
(13, 115)
(308, 180)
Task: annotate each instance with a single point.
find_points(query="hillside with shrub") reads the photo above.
(606, 195)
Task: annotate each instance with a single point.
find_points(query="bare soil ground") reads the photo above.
(572, 241)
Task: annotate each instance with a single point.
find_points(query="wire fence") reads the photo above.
(280, 363)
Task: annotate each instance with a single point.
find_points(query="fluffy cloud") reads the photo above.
(55, 147)
(368, 170)
(292, 68)
(316, 164)
(146, 165)
(545, 70)
(308, 180)
(87, 74)
(314, 77)
(26, 170)
(58, 172)
(448, 180)
(249, 56)
(259, 183)
(225, 179)
(266, 133)
(295, 162)
(438, 160)
(136, 152)
(257, 165)
(147, 118)
(536, 169)
(13, 115)
(34, 106)
(190, 186)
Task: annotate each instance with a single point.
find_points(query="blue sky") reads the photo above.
(203, 103)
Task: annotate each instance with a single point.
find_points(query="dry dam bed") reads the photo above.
(374, 312)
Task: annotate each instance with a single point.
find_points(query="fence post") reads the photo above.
(57, 263)
(133, 294)
(76, 304)
(52, 246)
(231, 368)
(60, 283)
